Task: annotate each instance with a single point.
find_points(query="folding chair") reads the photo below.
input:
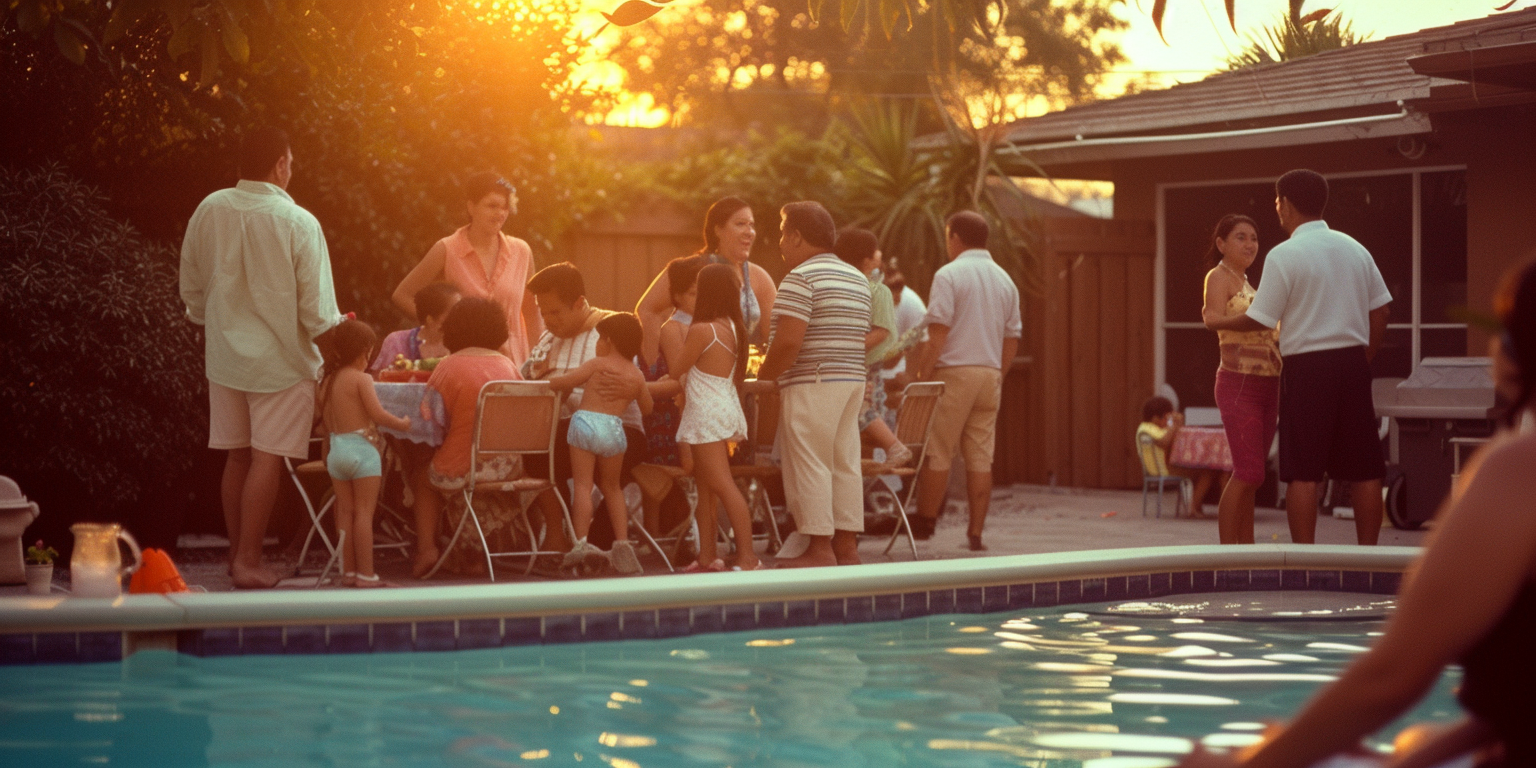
(1145, 446)
(914, 421)
(512, 418)
(318, 506)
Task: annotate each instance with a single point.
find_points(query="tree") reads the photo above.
(1284, 40)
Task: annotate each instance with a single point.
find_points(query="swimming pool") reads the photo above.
(1060, 686)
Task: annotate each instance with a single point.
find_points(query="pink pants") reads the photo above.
(1249, 407)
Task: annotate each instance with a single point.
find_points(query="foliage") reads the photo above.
(743, 61)
(1284, 40)
(37, 554)
(104, 383)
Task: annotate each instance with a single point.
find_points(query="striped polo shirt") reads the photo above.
(832, 298)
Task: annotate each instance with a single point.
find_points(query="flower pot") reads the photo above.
(40, 579)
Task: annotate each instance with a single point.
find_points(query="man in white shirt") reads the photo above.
(256, 273)
(1324, 292)
(973, 335)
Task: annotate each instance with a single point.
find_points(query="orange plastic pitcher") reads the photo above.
(157, 575)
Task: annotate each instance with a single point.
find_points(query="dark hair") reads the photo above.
(621, 329)
(347, 341)
(1307, 191)
(1224, 229)
(970, 226)
(260, 149)
(475, 322)
(433, 300)
(720, 296)
(563, 280)
(477, 186)
(856, 246)
(682, 272)
(719, 213)
(1515, 304)
(812, 221)
(1155, 408)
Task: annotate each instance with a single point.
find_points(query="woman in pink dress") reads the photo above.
(484, 263)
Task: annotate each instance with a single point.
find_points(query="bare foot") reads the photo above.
(743, 564)
(361, 581)
(845, 547)
(253, 578)
(1197, 515)
(974, 542)
(808, 560)
(849, 558)
(425, 559)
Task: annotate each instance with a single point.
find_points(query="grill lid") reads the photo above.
(1443, 388)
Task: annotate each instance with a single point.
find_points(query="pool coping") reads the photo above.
(43, 629)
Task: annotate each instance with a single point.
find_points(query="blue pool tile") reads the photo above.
(1293, 579)
(1232, 581)
(1357, 581)
(347, 638)
(1328, 580)
(994, 599)
(1069, 592)
(800, 613)
(308, 638)
(1267, 579)
(101, 646)
(57, 647)
(832, 611)
(740, 616)
(522, 630)
(1202, 581)
(673, 622)
(602, 626)
(1047, 593)
(1383, 583)
(941, 601)
(887, 607)
(479, 633)
(968, 600)
(914, 604)
(860, 609)
(562, 629)
(436, 636)
(261, 640)
(707, 618)
(219, 642)
(392, 637)
(1179, 583)
(1116, 588)
(1138, 587)
(770, 615)
(639, 625)
(1094, 591)
(16, 649)
(1021, 596)
(1160, 584)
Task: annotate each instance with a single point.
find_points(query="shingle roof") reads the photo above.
(1366, 78)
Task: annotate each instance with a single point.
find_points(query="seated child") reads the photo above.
(1162, 423)
(349, 409)
(425, 341)
(597, 442)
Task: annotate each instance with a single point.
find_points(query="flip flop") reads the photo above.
(718, 566)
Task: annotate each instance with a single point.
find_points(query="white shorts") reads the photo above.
(278, 423)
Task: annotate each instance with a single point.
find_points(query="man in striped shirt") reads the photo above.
(816, 354)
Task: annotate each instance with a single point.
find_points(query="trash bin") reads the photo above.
(1446, 398)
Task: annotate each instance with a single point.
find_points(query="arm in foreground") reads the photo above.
(787, 340)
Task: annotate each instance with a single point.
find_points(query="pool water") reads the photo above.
(1042, 687)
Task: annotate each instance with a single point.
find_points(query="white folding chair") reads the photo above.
(914, 422)
(512, 418)
(316, 506)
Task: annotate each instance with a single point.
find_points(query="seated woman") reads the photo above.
(1469, 599)
(1162, 423)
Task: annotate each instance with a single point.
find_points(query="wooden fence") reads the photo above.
(618, 259)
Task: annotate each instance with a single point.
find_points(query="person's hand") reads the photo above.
(1178, 419)
(610, 385)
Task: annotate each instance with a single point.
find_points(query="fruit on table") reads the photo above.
(428, 363)
(400, 363)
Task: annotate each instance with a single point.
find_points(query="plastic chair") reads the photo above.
(512, 418)
(914, 423)
(1149, 477)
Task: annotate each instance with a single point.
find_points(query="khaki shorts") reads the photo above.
(966, 417)
(278, 423)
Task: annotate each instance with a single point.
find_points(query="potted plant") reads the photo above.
(40, 568)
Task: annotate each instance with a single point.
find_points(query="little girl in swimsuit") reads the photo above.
(597, 442)
(349, 409)
(713, 363)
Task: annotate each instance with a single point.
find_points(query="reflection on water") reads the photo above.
(1027, 688)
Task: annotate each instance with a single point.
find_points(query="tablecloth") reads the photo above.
(1201, 448)
(404, 399)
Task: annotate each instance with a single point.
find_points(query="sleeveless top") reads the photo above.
(1499, 675)
(1256, 353)
(713, 410)
(504, 285)
(751, 313)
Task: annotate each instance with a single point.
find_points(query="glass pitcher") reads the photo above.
(96, 567)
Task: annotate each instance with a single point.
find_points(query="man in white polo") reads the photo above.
(973, 335)
(256, 274)
(1323, 290)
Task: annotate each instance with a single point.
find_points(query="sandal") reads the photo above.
(369, 582)
(761, 566)
(718, 566)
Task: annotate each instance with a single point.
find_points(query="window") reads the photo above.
(1414, 224)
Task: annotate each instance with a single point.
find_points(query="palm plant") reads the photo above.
(1287, 39)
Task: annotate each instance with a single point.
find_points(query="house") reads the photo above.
(1428, 140)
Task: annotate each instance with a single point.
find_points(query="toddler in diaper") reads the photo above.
(596, 438)
(349, 409)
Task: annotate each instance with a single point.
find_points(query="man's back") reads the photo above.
(255, 271)
(1319, 288)
(979, 303)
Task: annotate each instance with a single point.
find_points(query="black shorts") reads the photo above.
(1328, 422)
